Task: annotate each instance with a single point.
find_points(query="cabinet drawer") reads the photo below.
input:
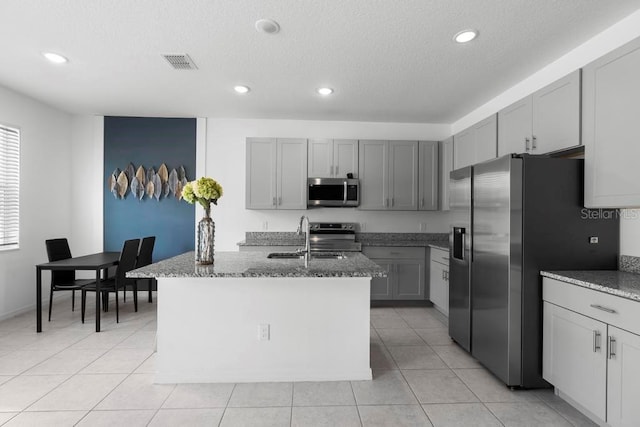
(592, 303)
(393, 252)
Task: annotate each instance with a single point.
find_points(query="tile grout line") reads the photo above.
(355, 400)
(233, 389)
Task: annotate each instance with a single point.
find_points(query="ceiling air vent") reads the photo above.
(180, 61)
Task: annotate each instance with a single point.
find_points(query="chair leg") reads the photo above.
(73, 300)
(83, 304)
(50, 301)
(150, 290)
(117, 308)
(135, 296)
(124, 292)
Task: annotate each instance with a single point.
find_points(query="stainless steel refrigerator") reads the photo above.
(526, 215)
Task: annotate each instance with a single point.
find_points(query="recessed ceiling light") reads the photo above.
(465, 36)
(241, 89)
(268, 26)
(55, 57)
(325, 91)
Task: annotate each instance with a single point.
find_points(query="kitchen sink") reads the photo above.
(328, 255)
(297, 255)
(285, 255)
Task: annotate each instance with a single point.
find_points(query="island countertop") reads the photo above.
(256, 264)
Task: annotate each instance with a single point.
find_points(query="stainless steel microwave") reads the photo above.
(335, 192)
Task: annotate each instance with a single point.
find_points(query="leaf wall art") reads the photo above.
(147, 183)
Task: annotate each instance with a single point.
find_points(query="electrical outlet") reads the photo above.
(593, 239)
(265, 225)
(264, 332)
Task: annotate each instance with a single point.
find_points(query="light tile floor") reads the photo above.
(69, 375)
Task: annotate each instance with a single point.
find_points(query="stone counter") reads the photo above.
(256, 264)
(615, 282)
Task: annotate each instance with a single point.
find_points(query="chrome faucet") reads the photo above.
(307, 240)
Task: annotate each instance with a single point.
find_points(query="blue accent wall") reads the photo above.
(149, 142)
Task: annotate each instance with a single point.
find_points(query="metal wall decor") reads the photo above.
(143, 182)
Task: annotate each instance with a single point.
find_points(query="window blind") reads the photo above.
(9, 187)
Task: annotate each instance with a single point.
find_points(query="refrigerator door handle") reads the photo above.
(459, 243)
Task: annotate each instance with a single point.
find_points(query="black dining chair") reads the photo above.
(113, 284)
(145, 257)
(62, 280)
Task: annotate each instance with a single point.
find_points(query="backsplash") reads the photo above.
(630, 264)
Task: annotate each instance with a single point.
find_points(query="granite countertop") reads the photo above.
(256, 264)
(440, 240)
(615, 282)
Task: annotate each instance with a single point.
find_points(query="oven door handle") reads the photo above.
(345, 192)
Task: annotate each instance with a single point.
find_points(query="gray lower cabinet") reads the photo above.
(406, 272)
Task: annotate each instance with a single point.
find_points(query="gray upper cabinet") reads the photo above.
(345, 157)
(333, 158)
(388, 175)
(276, 173)
(464, 152)
(514, 127)
(403, 175)
(611, 92)
(428, 176)
(486, 138)
(477, 143)
(546, 121)
(446, 166)
(374, 174)
(261, 173)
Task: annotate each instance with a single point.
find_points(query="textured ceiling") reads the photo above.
(387, 60)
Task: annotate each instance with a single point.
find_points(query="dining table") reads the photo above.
(98, 262)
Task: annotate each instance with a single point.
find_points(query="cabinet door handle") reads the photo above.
(336, 171)
(392, 202)
(274, 201)
(526, 143)
(280, 200)
(422, 202)
(596, 341)
(600, 307)
(331, 170)
(386, 203)
(612, 347)
(533, 142)
(442, 274)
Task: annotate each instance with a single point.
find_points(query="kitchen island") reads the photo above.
(248, 318)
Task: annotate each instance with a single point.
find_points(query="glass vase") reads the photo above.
(204, 240)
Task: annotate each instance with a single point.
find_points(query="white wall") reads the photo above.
(610, 39)
(45, 197)
(87, 160)
(225, 162)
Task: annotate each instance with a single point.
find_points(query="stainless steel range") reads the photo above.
(334, 236)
